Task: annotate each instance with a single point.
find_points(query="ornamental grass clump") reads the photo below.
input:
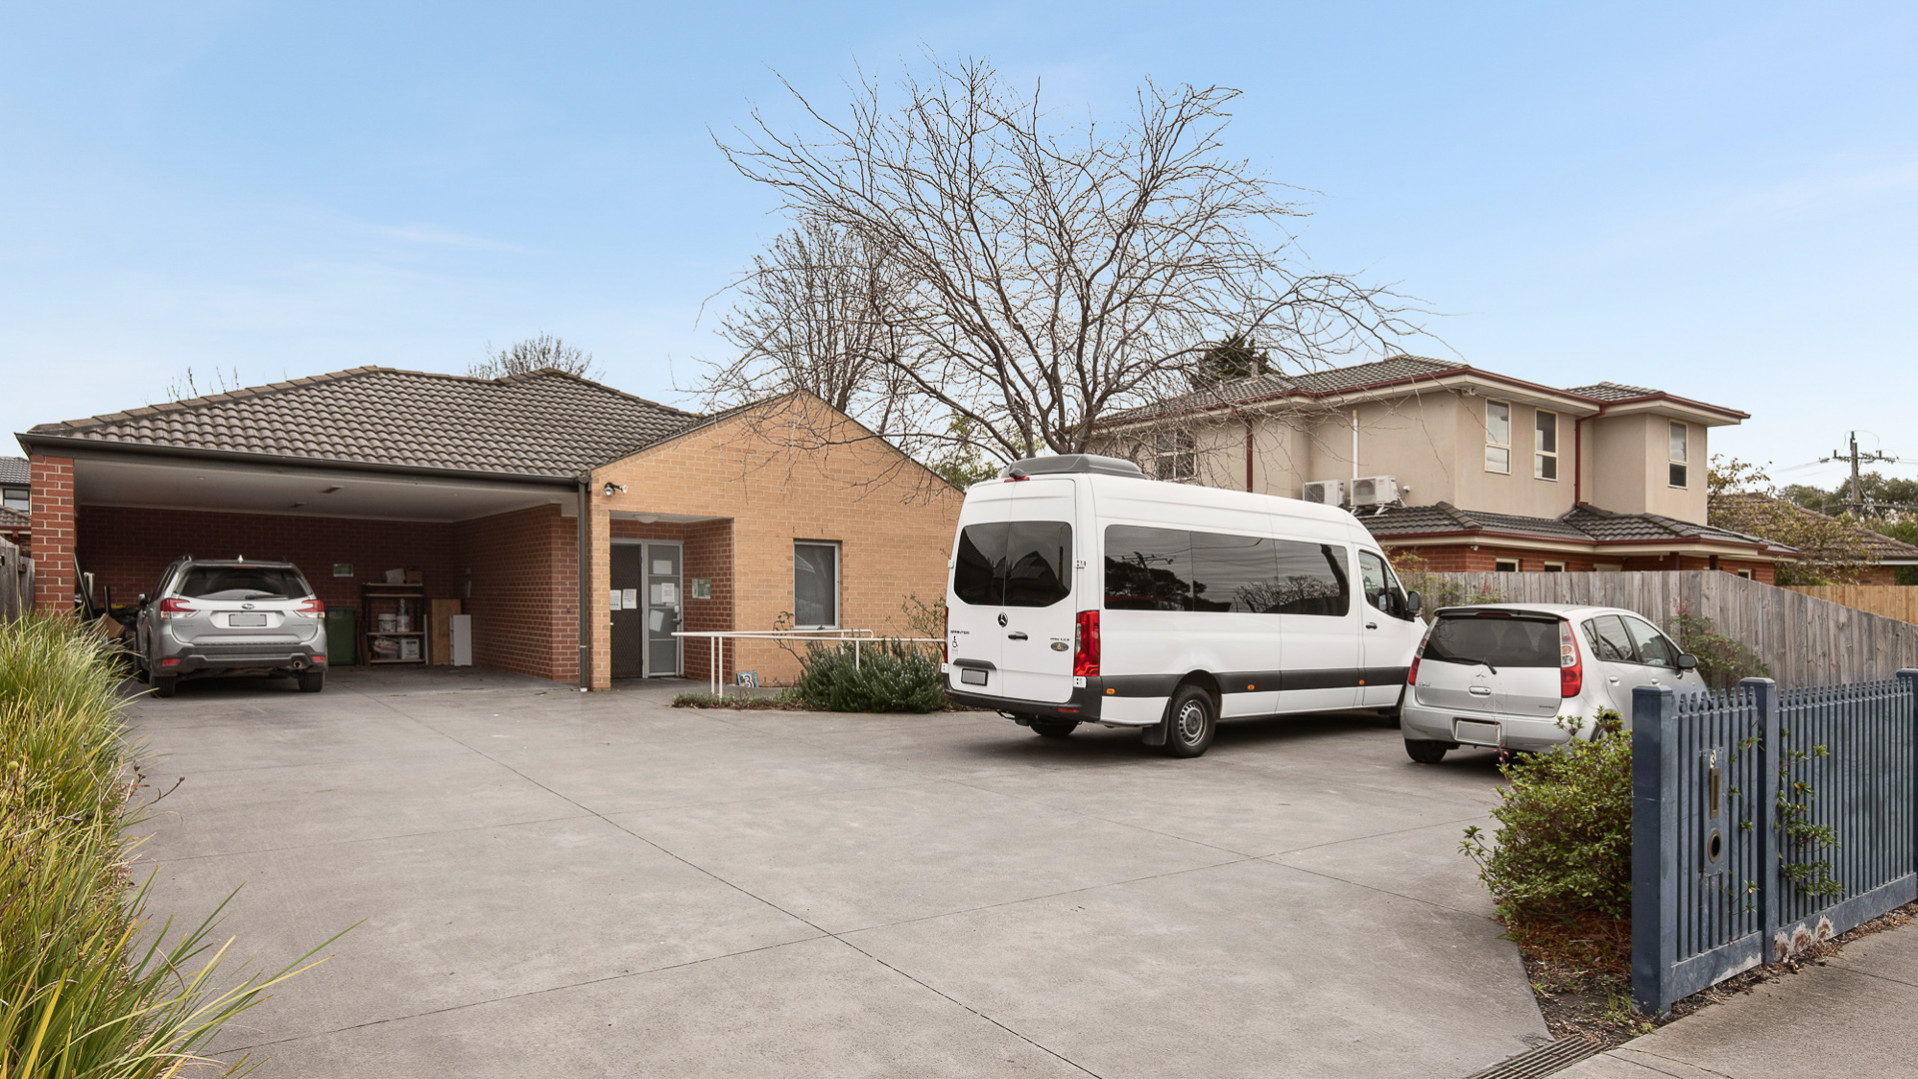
(80, 996)
(884, 676)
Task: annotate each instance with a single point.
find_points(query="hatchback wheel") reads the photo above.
(1425, 752)
(1191, 723)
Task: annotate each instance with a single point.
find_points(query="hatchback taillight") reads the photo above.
(1571, 667)
(1085, 645)
(310, 606)
(1412, 672)
(174, 608)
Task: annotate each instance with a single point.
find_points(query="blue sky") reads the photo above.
(1714, 199)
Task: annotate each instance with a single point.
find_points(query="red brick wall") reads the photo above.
(53, 532)
(127, 548)
(522, 568)
(1461, 558)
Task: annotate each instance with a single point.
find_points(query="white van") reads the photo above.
(1082, 592)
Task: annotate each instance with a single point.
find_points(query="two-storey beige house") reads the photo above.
(1468, 469)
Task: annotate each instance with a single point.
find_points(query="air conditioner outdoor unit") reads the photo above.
(1326, 492)
(1375, 491)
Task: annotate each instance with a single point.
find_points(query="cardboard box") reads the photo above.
(409, 648)
(395, 576)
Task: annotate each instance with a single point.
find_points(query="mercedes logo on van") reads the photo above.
(1002, 618)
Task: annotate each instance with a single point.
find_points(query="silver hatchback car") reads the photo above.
(1517, 676)
(231, 617)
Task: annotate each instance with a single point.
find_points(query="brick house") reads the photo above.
(16, 502)
(498, 490)
(1467, 469)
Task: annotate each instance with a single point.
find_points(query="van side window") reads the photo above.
(1148, 569)
(1382, 589)
(1021, 564)
(1312, 579)
(1232, 573)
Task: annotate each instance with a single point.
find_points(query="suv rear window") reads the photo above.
(1501, 642)
(1017, 564)
(244, 582)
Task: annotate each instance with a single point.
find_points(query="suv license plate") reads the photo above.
(246, 620)
(972, 676)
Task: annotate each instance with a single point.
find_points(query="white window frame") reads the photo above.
(1555, 567)
(1541, 456)
(1499, 564)
(1679, 464)
(1745, 573)
(1498, 455)
(25, 505)
(1175, 455)
(838, 582)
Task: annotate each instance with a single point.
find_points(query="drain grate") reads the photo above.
(1546, 1059)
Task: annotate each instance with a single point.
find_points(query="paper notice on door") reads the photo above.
(659, 595)
(669, 594)
(656, 621)
(613, 604)
(630, 597)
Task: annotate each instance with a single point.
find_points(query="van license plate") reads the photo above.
(972, 676)
(1475, 732)
(246, 620)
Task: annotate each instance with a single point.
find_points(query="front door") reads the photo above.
(664, 605)
(628, 621)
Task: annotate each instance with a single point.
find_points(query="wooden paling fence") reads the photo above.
(16, 581)
(1806, 641)
(1890, 600)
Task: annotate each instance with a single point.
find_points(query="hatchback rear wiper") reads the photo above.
(1486, 663)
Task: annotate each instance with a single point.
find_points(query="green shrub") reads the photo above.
(79, 996)
(890, 676)
(1564, 843)
(1722, 661)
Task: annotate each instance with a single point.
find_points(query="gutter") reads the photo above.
(94, 449)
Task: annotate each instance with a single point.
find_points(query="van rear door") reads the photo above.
(1012, 591)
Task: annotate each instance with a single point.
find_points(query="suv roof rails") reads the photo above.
(1073, 463)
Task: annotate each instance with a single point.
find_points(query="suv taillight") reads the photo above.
(1085, 645)
(171, 607)
(310, 606)
(1571, 668)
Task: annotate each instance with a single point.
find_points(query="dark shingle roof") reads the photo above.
(14, 520)
(1877, 546)
(1583, 524)
(15, 471)
(1613, 391)
(546, 423)
(1310, 383)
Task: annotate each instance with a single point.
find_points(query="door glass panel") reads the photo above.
(1382, 589)
(1312, 579)
(664, 605)
(1148, 569)
(1037, 563)
(1653, 647)
(1233, 573)
(975, 572)
(1609, 640)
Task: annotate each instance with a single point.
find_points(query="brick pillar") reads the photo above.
(598, 522)
(53, 533)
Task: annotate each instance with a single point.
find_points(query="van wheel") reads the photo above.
(1425, 752)
(1054, 728)
(1191, 723)
(164, 685)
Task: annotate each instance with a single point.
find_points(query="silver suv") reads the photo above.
(231, 617)
(1528, 677)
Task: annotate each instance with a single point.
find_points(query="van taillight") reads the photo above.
(1571, 668)
(945, 635)
(1085, 645)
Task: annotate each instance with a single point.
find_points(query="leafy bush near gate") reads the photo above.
(1722, 661)
(890, 676)
(79, 996)
(1563, 851)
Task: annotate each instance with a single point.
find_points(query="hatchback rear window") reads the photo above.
(1501, 642)
(244, 582)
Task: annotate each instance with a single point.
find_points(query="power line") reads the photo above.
(1855, 458)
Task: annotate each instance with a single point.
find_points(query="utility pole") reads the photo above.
(1855, 459)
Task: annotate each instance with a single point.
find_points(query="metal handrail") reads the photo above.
(716, 639)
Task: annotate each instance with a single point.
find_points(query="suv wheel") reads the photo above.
(312, 681)
(165, 684)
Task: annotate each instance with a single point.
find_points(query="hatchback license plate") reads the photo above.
(246, 620)
(972, 676)
(1475, 732)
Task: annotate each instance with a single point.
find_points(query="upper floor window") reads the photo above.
(1681, 436)
(1498, 437)
(19, 498)
(1545, 446)
(1175, 456)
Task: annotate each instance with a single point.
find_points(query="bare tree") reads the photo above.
(1049, 273)
(535, 354)
(820, 311)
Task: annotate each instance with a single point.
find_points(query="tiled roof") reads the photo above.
(15, 471)
(541, 424)
(1612, 391)
(1584, 524)
(1877, 546)
(1333, 380)
(14, 520)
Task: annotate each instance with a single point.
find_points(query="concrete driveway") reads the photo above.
(557, 883)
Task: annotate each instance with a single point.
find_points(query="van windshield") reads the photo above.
(1016, 564)
(1501, 642)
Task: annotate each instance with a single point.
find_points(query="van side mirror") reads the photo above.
(1687, 661)
(1413, 604)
